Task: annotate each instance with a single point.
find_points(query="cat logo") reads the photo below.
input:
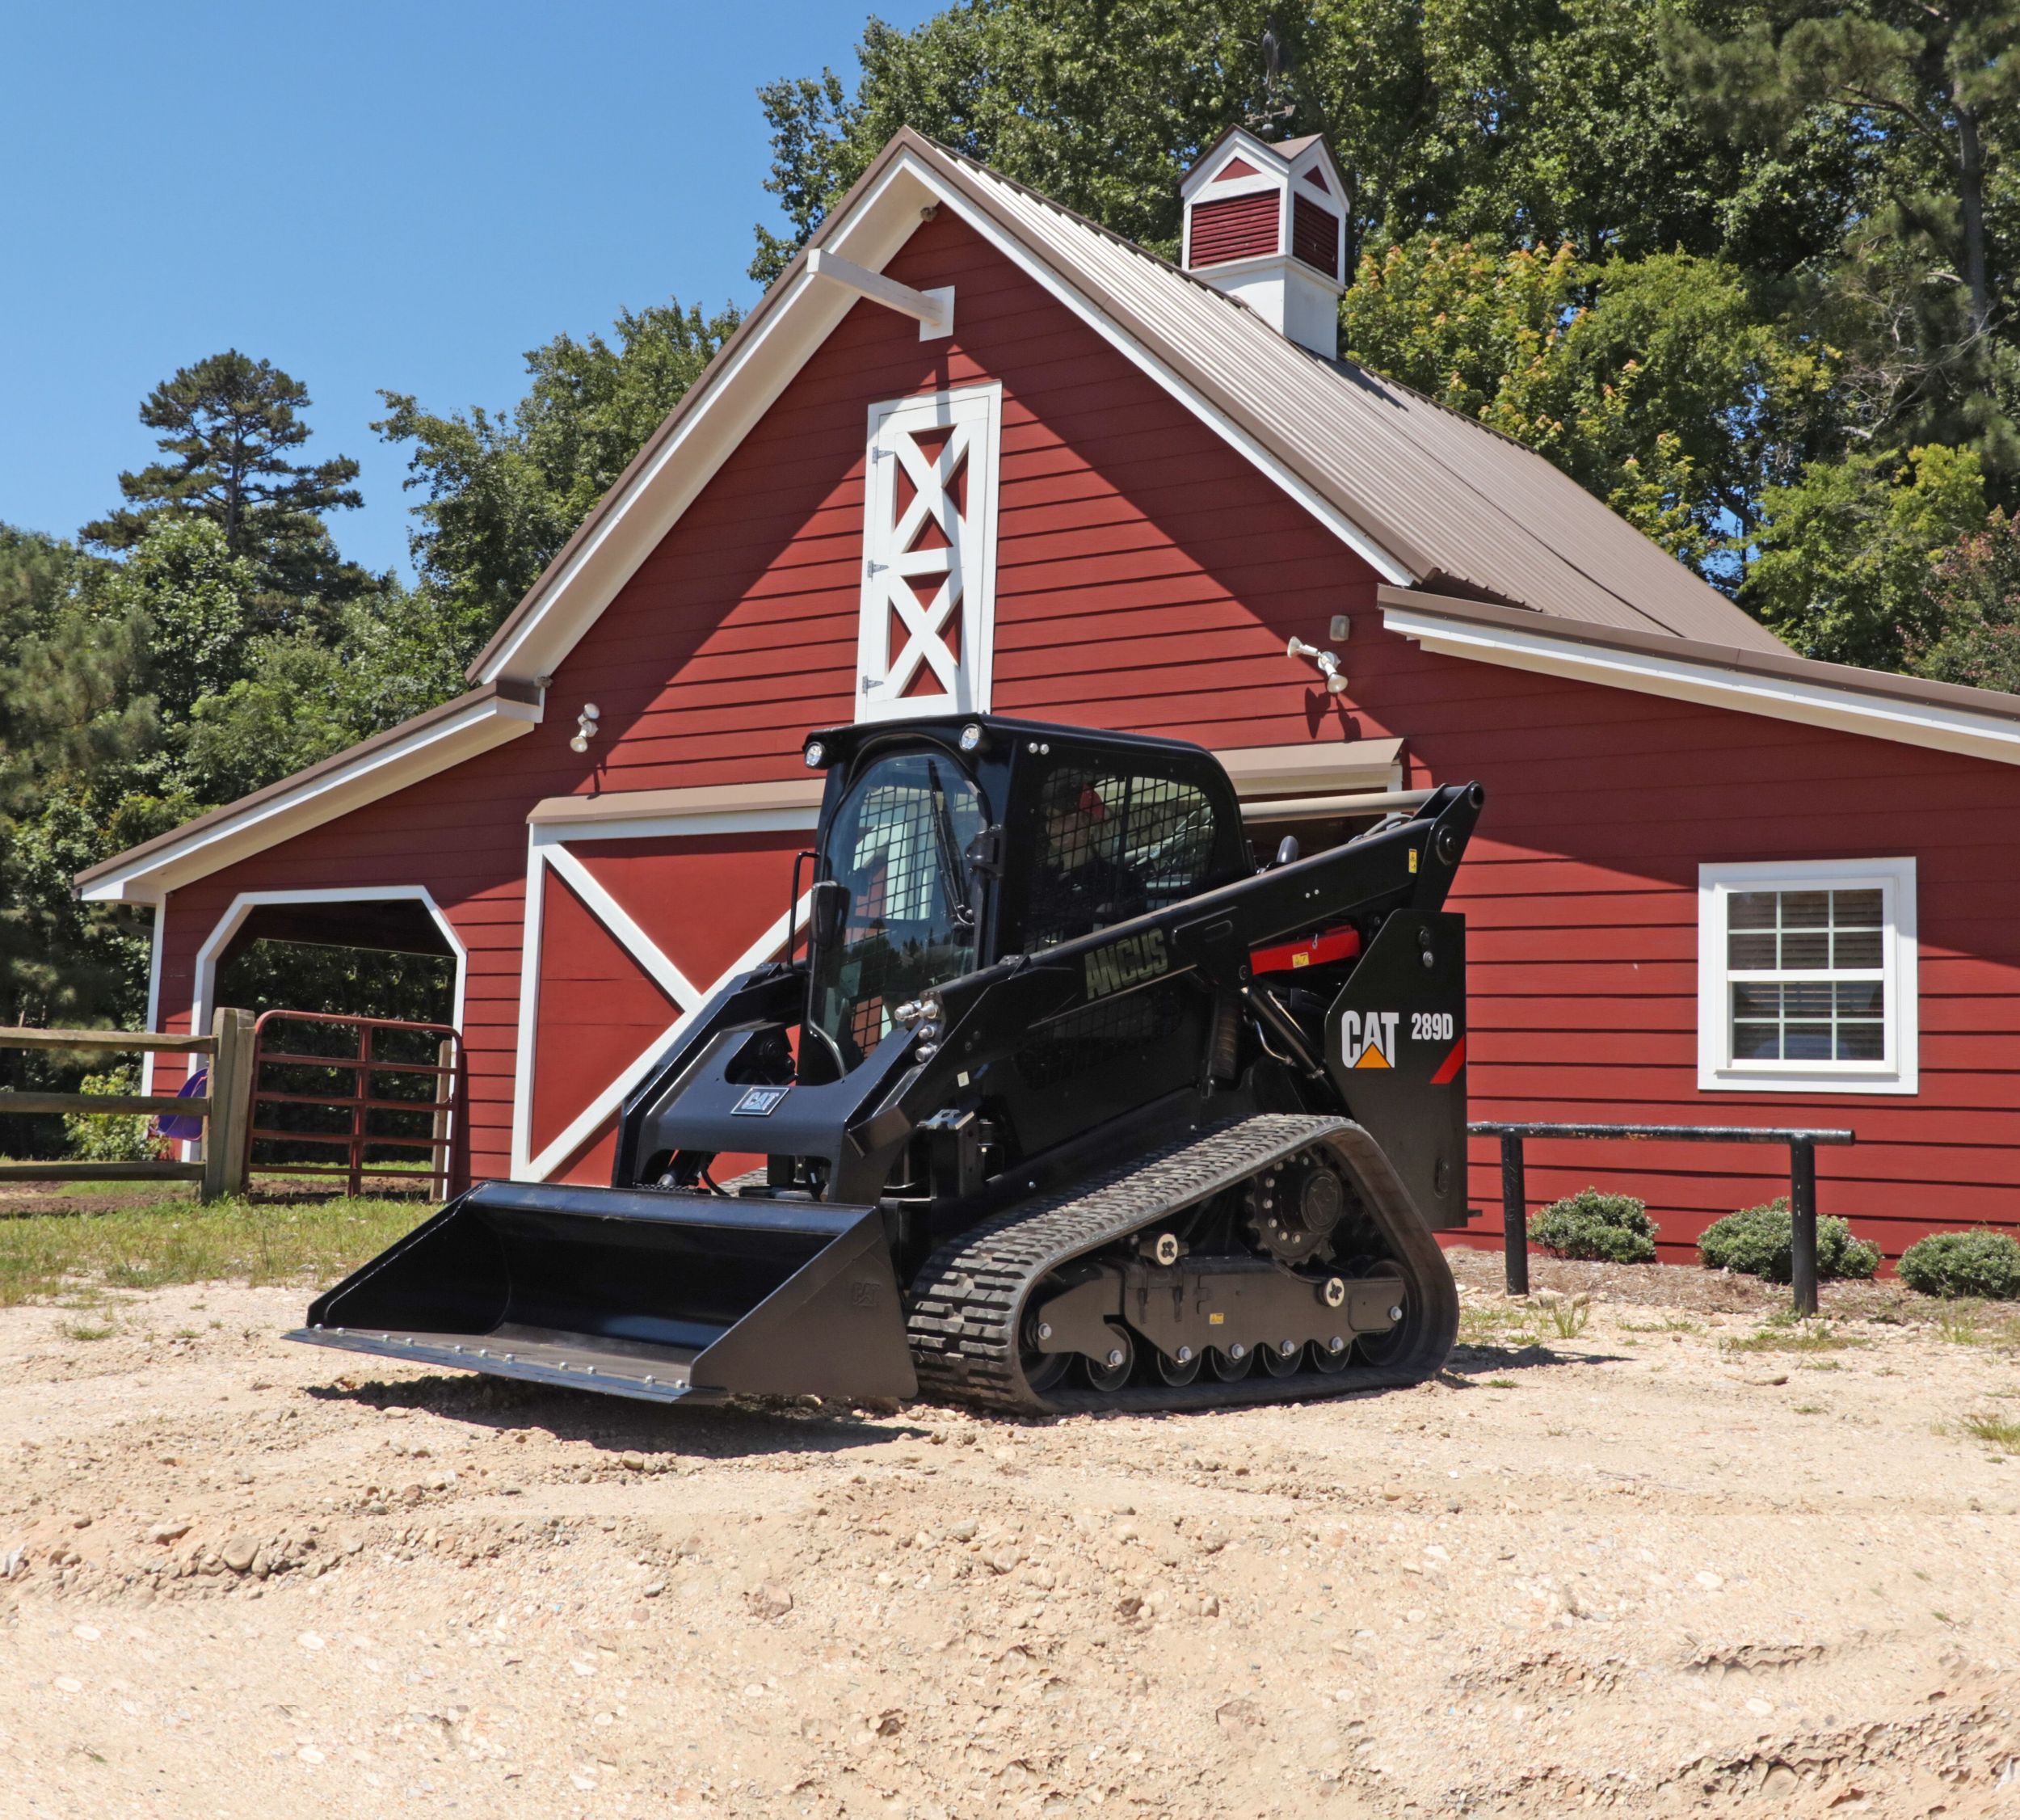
(760, 1102)
(1368, 1039)
(1127, 963)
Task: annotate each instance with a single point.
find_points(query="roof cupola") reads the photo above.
(1266, 223)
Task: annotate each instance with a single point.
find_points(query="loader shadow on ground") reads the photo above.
(1477, 1360)
(614, 1425)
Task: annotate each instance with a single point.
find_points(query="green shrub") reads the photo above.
(1978, 1263)
(1760, 1242)
(111, 1137)
(1615, 1228)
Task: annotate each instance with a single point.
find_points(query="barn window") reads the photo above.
(1807, 976)
(924, 645)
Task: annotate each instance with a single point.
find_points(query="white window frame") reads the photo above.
(1899, 1072)
(971, 558)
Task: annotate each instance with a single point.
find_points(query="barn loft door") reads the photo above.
(929, 555)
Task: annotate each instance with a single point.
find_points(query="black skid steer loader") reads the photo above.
(1061, 1104)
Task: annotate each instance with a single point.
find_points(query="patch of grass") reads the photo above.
(1809, 1409)
(1963, 1324)
(1675, 1323)
(86, 1330)
(1491, 1326)
(1501, 1383)
(1568, 1315)
(1994, 1430)
(174, 1240)
(1787, 1334)
(1570, 1319)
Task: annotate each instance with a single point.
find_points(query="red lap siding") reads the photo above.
(1147, 578)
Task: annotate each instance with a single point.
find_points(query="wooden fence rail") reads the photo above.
(223, 1109)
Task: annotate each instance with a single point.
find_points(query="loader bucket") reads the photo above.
(636, 1293)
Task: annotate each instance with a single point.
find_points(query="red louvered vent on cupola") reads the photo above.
(1238, 227)
(1314, 236)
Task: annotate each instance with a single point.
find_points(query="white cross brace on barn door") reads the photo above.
(929, 555)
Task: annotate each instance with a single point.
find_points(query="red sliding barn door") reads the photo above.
(627, 934)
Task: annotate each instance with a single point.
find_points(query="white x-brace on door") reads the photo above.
(929, 555)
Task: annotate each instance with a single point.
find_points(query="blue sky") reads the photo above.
(407, 195)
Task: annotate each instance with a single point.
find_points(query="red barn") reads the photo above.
(971, 451)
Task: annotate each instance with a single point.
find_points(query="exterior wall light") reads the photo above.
(585, 727)
(1328, 664)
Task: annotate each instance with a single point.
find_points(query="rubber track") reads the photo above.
(969, 1297)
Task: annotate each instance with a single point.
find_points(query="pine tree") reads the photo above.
(229, 426)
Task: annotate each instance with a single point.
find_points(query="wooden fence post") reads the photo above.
(440, 1157)
(225, 1149)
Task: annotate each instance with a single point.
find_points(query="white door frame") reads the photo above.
(205, 985)
(547, 850)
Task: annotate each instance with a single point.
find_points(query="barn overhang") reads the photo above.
(430, 743)
(1946, 717)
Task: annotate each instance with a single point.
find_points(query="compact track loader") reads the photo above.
(1060, 1103)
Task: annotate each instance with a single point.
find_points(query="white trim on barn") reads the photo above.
(154, 987)
(961, 594)
(1561, 652)
(375, 769)
(1898, 1070)
(204, 983)
(794, 325)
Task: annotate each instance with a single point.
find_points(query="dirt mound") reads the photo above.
(1623, 1569)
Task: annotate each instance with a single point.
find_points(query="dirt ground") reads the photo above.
(1632, 1570)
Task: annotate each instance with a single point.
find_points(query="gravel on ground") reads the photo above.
(1635, 1553)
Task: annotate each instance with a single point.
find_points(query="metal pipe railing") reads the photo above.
(1802, 1142)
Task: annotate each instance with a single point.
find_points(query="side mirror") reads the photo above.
(828, 911)
(1287, 850)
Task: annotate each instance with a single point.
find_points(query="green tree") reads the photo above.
(1654, 382)
(1847, 551)
(1930, 89)
(69, 718)
(195, 598)
(1973, 634)
(301, 699)
(230, 428)
(502, 491)
(1529, 121)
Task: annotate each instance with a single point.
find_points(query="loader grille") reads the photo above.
(1111, 1033)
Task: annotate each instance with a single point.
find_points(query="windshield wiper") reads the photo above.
(964, 914)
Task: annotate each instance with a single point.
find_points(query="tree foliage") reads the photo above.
(230, 425)
(502, 491)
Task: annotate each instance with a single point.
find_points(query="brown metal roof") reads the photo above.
(1459, 507)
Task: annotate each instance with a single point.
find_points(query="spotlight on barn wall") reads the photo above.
(585, 727)
(1328, 664)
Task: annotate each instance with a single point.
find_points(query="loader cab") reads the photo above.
(946, 844)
